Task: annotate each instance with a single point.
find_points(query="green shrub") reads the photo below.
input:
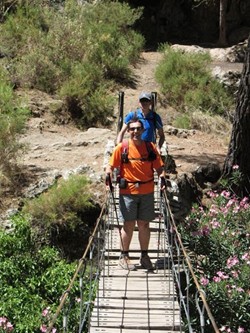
(64, 216)
(12, 121)
(64, 203)
(182, 121)
(22, 30)
(187, 83)
(87, 100)
(81, 52)
(32, 277)
(37, 70)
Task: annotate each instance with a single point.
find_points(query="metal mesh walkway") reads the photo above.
(136, 301)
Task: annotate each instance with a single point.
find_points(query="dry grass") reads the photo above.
(210, 124)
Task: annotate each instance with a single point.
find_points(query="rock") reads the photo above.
(210, 173)
(237, 52)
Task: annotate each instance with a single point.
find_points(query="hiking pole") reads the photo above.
(154, 99)
(120, 110)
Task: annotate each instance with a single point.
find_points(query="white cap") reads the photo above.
(145, 95)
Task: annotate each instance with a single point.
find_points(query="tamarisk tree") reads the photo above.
(239, 146)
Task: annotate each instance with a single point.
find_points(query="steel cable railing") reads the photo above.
(179, 254)
(95, 265)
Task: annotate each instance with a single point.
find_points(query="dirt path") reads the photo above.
(53, 148)
(191, 151)
(64, 147)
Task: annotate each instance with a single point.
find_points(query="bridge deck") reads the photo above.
(136, 301)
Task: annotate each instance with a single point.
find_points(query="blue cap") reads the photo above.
(145, 95)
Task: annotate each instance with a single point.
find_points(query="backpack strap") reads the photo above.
(124, 154)
(151, 151)
(125, 150)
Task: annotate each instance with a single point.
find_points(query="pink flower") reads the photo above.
(204, 281)
(225, 329)
(9, 327)
(235, 167)
(241, 329)
(3, 321)
(212, 194)
(45, 312)
(43, 328)
(246, 256)
(225, 194)
(215, 224)
(222, 275)
(235, 274)
(244, 203)
(216, 279)
(53, 330)
(224, 210)
(230, 203)
(236, 209)
(6, 325)
(232, 261)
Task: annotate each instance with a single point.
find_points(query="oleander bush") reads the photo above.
(219, 236)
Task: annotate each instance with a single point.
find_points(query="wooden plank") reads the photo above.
(128, 330)
(139, 304)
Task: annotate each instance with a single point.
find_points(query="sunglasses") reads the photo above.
(144, 100)
(135, 128)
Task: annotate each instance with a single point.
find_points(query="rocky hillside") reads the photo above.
(60, 149)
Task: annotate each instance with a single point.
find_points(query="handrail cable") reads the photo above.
(108, 207)
(78, 269)
(111, 191)
(200, 290)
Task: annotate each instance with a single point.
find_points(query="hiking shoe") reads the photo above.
(146, 263)
(125, 263)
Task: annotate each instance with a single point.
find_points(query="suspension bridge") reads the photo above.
(111, 299)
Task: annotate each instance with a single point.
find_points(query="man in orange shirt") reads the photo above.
(136, 199)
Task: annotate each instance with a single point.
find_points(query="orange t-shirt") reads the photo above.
(136, 170)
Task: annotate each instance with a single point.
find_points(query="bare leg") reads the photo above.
(144, 234)
(144, 237)
(127, 234)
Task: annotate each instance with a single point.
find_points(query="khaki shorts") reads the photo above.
(136, 207)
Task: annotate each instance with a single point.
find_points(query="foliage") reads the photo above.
(64, 203)
(187, 84)
(12, 122)
(82, 93)
(81, 51)
(219, 237)
(182, 121)
(32, 278)
(63, 216)
(206, 123)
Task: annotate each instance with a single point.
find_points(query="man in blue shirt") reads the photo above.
(152, 122)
